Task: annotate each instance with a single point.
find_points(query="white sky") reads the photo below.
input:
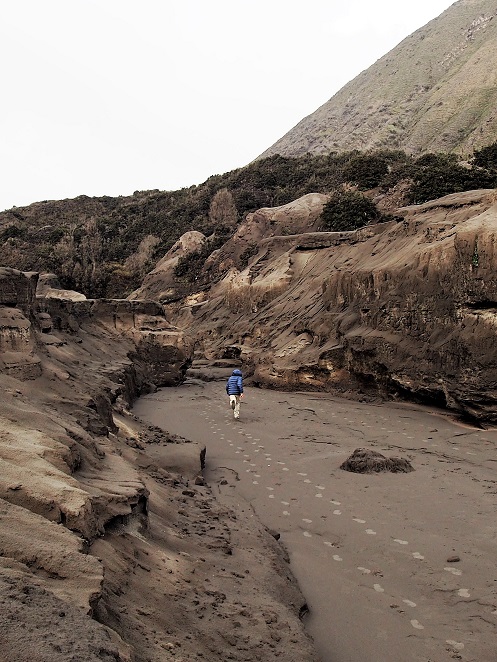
(105, 97)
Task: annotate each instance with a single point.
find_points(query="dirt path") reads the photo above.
(370, 552)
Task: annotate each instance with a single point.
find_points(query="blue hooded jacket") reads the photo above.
(234, 385)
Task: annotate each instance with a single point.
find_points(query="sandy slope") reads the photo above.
(371, 553)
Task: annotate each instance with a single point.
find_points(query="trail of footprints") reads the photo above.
(267, 458)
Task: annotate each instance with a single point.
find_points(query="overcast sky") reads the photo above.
(105, 97)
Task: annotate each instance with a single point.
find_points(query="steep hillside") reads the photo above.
(436, 91)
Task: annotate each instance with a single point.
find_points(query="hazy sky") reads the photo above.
(105, 97)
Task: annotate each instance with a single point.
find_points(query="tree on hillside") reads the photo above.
(140, 260)
(486, 157)
(222, 211)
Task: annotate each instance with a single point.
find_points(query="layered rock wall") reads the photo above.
(405, 309)
(69, 367)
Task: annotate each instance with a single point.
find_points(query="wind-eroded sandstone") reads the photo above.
(399, 309)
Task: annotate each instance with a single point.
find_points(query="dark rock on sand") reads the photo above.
(365, 461)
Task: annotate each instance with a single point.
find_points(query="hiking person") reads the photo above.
(234, 388)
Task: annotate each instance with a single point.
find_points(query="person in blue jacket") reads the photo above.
(234, 388)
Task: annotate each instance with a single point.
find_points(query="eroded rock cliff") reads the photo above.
(108, 533)
(399, 309)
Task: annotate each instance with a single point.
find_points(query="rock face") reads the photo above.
(436, 91)
(402, 309)
(296, 217)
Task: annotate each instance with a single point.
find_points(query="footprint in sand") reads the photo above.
(463, 593)
(359, 521)
(400, 542)
(409, 603)
(318, 495)
(455, 644)
(453, 571)
(365, 571)
(337, 558)
(286, 513)
(307, 534)
(370, 532)
(307, 521)
(378, 588)
(419, 556)
(417, 625)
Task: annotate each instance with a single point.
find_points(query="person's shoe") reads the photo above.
(237, 416)
(232, 404)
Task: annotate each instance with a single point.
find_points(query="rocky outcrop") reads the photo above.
(400, 309)
(302, 215)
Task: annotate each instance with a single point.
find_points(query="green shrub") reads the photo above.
(366, 170)
(436, 175)
(348, 210)
(486, 157)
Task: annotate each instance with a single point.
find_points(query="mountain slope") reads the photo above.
(435, 91)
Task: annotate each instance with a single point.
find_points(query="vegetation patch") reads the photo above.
(104, 246)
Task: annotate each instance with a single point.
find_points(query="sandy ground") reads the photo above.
(371, 553)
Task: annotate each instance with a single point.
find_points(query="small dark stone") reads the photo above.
(453, 559)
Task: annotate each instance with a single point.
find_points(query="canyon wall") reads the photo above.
(405, 309)
(107, 529)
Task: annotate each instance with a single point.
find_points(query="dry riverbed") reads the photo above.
(392, 566)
